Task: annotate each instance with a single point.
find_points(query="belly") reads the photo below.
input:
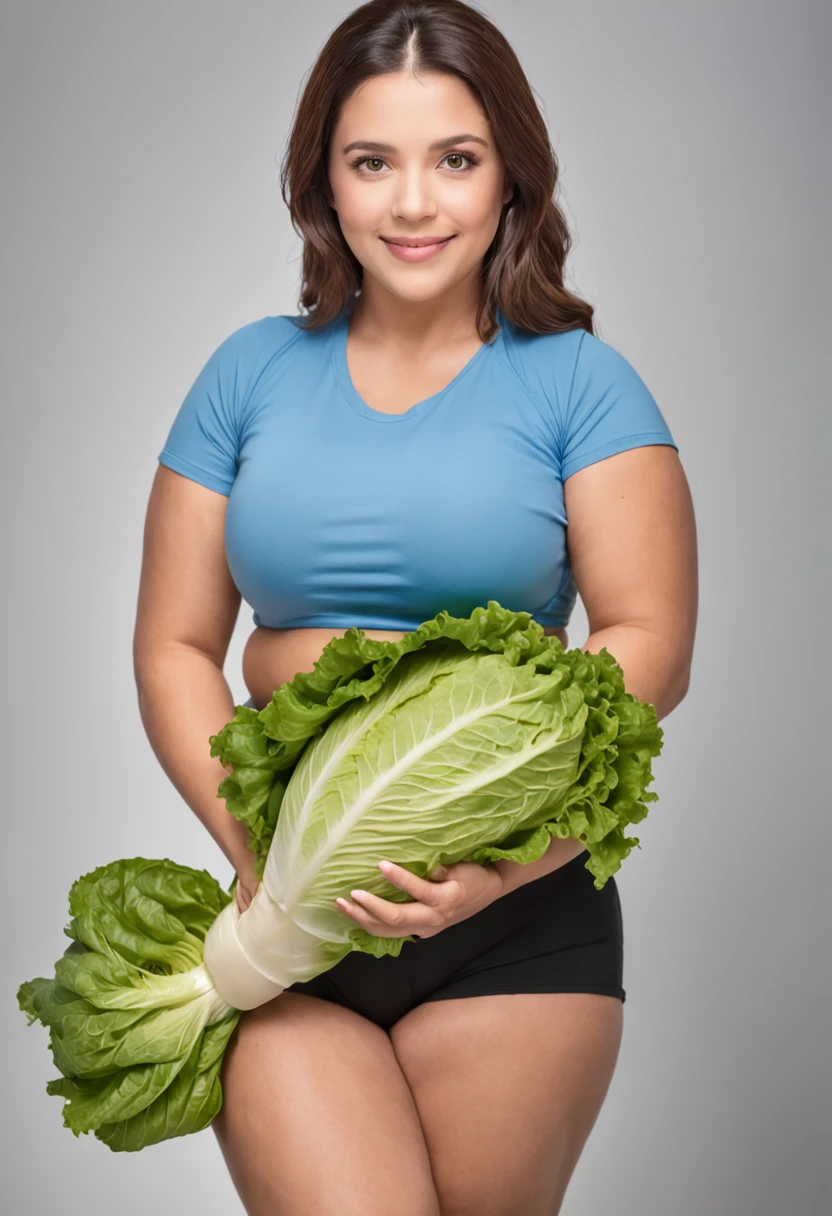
(274, 656)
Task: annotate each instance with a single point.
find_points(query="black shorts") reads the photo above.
(553, 934)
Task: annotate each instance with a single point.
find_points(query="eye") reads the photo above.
(362, 160)
(368, 160)
(461, 156)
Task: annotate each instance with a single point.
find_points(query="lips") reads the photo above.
(417, 253)
(416, 242)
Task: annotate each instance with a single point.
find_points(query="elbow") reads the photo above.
(674, 695)
(656, 667)
(684, 685)
(146, 666)
(155, 663)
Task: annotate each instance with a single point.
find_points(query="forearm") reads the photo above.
(653, 673)
(516, 874)
(184, 698)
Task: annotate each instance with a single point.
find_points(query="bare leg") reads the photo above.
(317, 1117)
(508, 1088)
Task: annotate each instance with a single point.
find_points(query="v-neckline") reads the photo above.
(420, 408)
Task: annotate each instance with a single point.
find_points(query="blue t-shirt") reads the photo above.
(339, 514)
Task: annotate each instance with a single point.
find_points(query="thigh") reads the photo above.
(508, 1087)
(317, 1116)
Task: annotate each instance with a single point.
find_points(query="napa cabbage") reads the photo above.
(470, 739)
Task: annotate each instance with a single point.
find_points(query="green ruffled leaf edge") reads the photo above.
(130, 916)
(621, 737)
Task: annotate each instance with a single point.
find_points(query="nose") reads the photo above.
(413, 199)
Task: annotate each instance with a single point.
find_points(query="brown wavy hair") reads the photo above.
(522, 270)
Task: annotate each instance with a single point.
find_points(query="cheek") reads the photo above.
(478, 207)
(359, 205)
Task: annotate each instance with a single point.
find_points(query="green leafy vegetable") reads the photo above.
(615, 733)
(467, 740)
(136, 1026)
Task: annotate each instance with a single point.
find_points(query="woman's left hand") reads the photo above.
(457, 892)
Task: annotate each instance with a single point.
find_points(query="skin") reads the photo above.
(323, 1111)
(415, 311)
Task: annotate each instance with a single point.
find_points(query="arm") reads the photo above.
(187, 608)
(632, 548)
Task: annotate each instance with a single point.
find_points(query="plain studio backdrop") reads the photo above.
(142, 223)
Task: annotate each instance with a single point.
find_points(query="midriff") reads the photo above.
(273, 656)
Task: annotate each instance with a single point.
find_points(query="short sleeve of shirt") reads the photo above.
(204, 441)
(609, 409)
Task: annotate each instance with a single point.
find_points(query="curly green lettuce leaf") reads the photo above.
(135, 1024)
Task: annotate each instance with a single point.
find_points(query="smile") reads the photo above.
(416, 253)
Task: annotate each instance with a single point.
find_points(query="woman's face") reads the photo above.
(406, 188)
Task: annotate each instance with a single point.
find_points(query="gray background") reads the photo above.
(141, 224)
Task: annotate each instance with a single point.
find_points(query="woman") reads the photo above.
(417, 442)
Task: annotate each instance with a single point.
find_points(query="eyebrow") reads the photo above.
(437, 146)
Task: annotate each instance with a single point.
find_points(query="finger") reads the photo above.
(422, 889)
(362, 918)
(383, 915)
(382, 910)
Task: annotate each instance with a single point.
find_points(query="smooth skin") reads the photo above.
(468, 1107)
